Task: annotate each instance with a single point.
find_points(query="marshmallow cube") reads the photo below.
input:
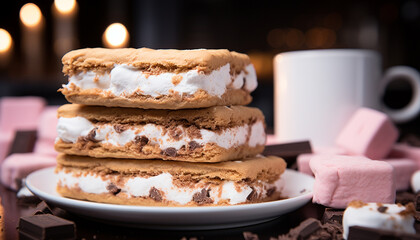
(405, 151)
(45, 147)
(303, 159)
(6, 139)
(20, 113)
(17, 166)
(369, 133)
(48, 123)
(391, 217)
(342, 179)
(403, 170)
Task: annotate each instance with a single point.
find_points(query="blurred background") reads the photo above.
(35, 35)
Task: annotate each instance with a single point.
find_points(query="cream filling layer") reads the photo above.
(71, 129)
(233, 193)
(124, 80)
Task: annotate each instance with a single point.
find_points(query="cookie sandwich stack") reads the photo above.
(163, 128)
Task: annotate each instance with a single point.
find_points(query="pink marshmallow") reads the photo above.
(341, 179)
(6, 139)
(45, 147)
(405, 151)
(369, 133)
(272, 140)
(303, 159)
(19, 165)
(20, 113)
(403, 170)
(48, 123)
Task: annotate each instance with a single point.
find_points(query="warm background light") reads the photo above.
(116, 36)
(30, 15)
(5, 41)
(65, 6)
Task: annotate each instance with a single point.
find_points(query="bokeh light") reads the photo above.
(65, 6)
(5, 41)
(30, 15)
(116, 36)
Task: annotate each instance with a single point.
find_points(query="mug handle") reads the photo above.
(413, 107)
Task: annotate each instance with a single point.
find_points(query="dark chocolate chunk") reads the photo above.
(42, 208)
(364, 233)
(113, 189)
(91, 135)
(119, 128)
(288, 149)
(23, 142)
(417, 202)
(404, 197)
(155, 194)
(193, 145)
(270, 191)
(382, 209)
(308, 227)
(202, 197)
(252, 195)
(141, 140)
(171, 152)
(250, 236)
(332, 215)
(46, 226)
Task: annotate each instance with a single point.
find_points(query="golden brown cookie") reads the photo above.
(158, 79)
(212, 134)
(169, 183)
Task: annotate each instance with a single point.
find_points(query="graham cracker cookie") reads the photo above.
(169, 183)
(212, 134)
(158, 79)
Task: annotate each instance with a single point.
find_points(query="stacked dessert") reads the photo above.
(163, 128)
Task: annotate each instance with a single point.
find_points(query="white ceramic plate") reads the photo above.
(297, 186)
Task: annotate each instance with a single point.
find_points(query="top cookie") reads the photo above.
(158, 79)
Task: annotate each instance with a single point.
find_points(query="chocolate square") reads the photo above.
(46, 226)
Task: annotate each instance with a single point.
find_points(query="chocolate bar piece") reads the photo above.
(365, 233)
(23, 142)
(250, 236)
(286, 150)
(46, 226)
(332, 215)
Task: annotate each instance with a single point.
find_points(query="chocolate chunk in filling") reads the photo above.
(91, 136)
(270, 191)
(141, 140)
(193, 145)
(113, 189)
(155, 194)
(202, 197)
(382, 209)
(171, 152)
(253, 195)
(119, 128)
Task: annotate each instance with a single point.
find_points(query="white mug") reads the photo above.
(317, 91)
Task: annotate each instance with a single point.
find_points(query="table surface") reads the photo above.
(88, 229)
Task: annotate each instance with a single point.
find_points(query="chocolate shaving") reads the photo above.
(382, 209)
(113, 189)
(193, 145)
(193, 132)
(202, 197)
(171, 152)
(155, 194)
(91, 136)
(119, 128)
